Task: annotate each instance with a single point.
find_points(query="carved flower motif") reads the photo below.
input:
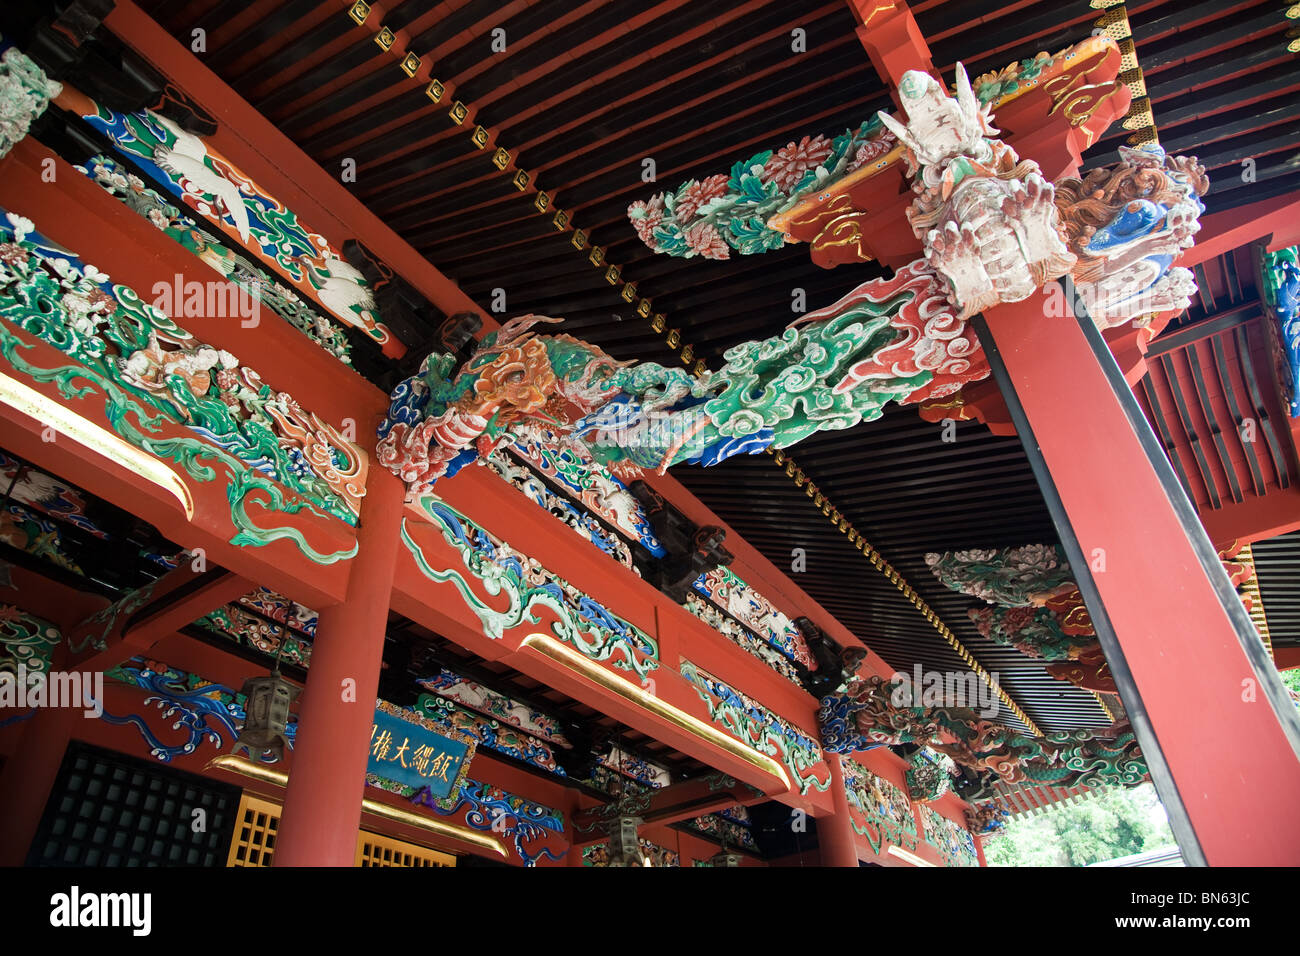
(704, 240)
(873, 149)
(695, 194)
(645, 217)
(12, 254)
(790, 162)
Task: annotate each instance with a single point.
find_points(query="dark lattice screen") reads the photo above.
(107, 809)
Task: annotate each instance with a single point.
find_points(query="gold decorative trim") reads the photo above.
(359, 11)
(100, 440)
(556, 651)
(278, 778)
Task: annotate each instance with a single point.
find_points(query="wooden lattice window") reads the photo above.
(109, 809)
(253, 842)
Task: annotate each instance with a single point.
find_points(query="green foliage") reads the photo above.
(1291, 679)
(1117, 822)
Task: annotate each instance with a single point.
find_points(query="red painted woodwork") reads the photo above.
(892, 39)
(835, 837)
(172, 603)
(322, 805)
(280, 166)
(1156, 595)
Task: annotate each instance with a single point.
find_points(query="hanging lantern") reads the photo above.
(624, 845)
(725, 858)
(266, 717)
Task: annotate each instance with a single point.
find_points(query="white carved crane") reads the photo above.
(184, 159)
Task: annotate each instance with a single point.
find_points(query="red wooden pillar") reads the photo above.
(322, 804)
(1211, 716)
(835, 841)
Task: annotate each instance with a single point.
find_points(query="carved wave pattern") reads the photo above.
(761, 729)
(581, 622)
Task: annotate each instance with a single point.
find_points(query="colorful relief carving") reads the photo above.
(928, 775)
(992, 230)
(490, 733)
(589, 483)
(883, 812)
(772, 197)
(1034, 631)
(489, 808)
(216, 189)
(724, 830)
(728, 591)
(254, 281)
(584, 524)
(1090, 670)
(1012, 577)
(247, 629)
(46, 494)
(1036, 607)
(26, 640)
(1281, 293)
(617, 767)
(499, 707)
(151, 370)
(1127, 224)
(25, 93)
(755, 725)
(864, 716)
(741, 635)
(280, 608)
(987, 817)
(581, 622)
(203, 711)
(597, 854)
(953, 841)
(710, 217)
(32, 533)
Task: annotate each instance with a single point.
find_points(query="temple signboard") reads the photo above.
(413, 752)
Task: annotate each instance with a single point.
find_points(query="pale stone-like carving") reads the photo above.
(1128, 223)
(987, 219)
(25, 93)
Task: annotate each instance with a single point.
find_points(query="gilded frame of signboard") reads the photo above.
(448, 801)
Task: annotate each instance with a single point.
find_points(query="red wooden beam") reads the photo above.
(893, 40)
(278, 164)
(679, 801)
(135, 624)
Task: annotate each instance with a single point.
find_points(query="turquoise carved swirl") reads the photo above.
(581, 622)
(26, 639)
(761, 729)
(65, 304)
